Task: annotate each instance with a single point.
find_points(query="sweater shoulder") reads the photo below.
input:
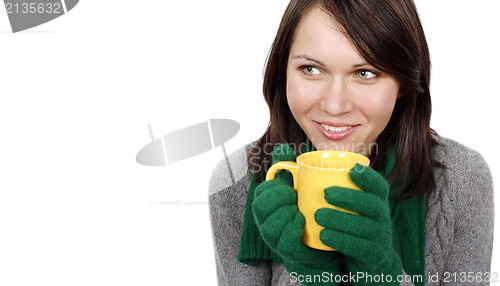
(449, 150)
(459, 159)
(459, 214)
(464, 181)
(231, 170)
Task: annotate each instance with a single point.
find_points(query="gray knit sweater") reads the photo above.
(458, 231)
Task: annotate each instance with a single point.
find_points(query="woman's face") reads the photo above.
(338, 99)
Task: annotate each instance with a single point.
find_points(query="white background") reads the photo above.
(76, 97)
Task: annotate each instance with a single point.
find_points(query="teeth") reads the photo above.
(335, 129)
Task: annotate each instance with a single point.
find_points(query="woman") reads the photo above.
(354, 75)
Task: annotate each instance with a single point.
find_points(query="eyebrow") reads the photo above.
(306, 57)
(361, 65)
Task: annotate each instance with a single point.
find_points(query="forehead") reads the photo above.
(319, 15)
(319, 35)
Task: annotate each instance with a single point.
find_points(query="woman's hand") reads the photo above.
(365, 239)
(280, 222)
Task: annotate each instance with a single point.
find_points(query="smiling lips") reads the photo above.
(336, 132)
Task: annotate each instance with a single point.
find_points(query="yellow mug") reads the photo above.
(312, 174)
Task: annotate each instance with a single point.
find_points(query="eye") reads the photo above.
(366, 74)
(310, 70)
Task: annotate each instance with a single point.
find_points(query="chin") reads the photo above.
(333, 146)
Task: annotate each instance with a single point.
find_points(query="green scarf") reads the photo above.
(408, 228)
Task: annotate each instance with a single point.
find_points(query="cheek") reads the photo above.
(379, 105)
(296, 96)
(303, 95)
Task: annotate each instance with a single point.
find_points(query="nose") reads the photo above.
(336, 98)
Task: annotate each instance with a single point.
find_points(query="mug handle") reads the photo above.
(285, 165)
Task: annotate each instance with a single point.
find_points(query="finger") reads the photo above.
(283, 152)
(363, 203)
(271, 200)
(370, 181)
(272, 227)
(353, 246)
(290, 244)
(291, 237)
(351, 224)
(285, 175)
(264, 186)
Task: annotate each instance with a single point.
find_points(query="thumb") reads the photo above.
(370, 181)
(283, 152)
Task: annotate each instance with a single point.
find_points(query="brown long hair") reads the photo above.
(388, 35)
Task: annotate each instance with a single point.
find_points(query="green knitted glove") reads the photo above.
(281, 153)
(281, 224)
(365, 239)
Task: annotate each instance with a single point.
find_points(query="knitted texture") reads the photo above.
(365, 239)
(252, 247)
(458, 221)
